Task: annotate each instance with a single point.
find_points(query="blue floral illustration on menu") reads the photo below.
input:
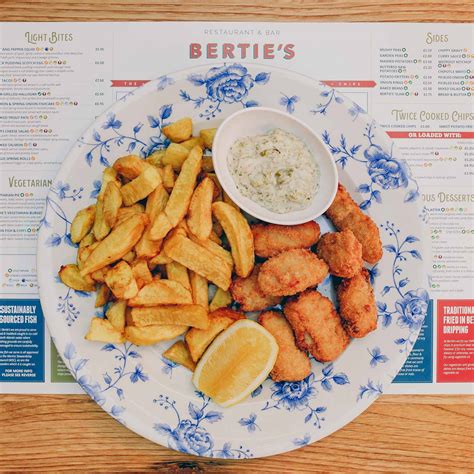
(190, 436)
(411, 306)
(299, 395)
(112, 382)
(112, 141)
(224, 85)
(54, 209)
(384, 170)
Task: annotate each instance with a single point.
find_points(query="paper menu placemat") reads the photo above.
(415, 80)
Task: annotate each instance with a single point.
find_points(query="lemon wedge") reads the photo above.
(236, 362)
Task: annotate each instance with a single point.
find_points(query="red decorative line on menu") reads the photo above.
(351, 84)
(129, 82)
(444, 135)
(339, 83)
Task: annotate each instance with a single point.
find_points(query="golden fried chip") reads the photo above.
(101, 229)
(121, 281)
(146, 336)
(141, 186)
(162, 292)
(130, 166)
(119, 242)
(199, 289)
(116, 314)
(180, 130)
(70, 275)
(108, 175)
(112, 203)
(193, 315)
(177, 272)
(168, 178)
(240, 236)
(192, 142)
(141, 272)
(175, 155)
(207, 136)
(179, 353)
(102, 330)
(199, 259)
(82, 223)
(178, 203)
(126, 212)
(155, 158)
(103, 295)
(159, 227)
(200, 211)
(221, 299)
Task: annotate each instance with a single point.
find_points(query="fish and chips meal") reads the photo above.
(170, 255)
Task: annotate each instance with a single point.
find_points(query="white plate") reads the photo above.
(154, 397)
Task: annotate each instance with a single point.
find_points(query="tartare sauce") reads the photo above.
(275, 170)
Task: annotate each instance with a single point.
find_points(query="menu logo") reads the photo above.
(52, 38)
(241, 51)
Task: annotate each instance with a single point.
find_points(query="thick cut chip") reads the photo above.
(156, 202)
(179, 353)
(82, 223)
(200, 210)
(103, 295)
(236, 363)
(70, 275)
(214, 248)
(159, 259)
(175, 155)
(155, 158)
(221, 299)
(118, 243)
(159, 227)
(146, 336)
(102, 330)
(89, 239)
(108, 175)
(178, 203)
(101, 229)
(141, 186)
(199, 339)
(116, 314)
(180, 130)
(177, 272)
(99, 275)
(129, 257)
(192, 142)
(130, 166)
(141, 272)
(162, 292)
(193, 315)
(125, 213)
(199, 260)
(112, 203)
(146, 247)
(240, 236)
(168, 177)
(207, 136)
(207, 165)
(199, 289)
(121, 281)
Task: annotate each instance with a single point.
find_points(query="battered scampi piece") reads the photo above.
(272, 239)
(248, 294)
(291, 272)
(346, 214)
(357, 305)
(342, 252)
(317, 326)
(292, 364)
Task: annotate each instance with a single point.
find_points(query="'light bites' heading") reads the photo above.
(241, 51)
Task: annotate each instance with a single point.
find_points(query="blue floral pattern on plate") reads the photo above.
(153, 396)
